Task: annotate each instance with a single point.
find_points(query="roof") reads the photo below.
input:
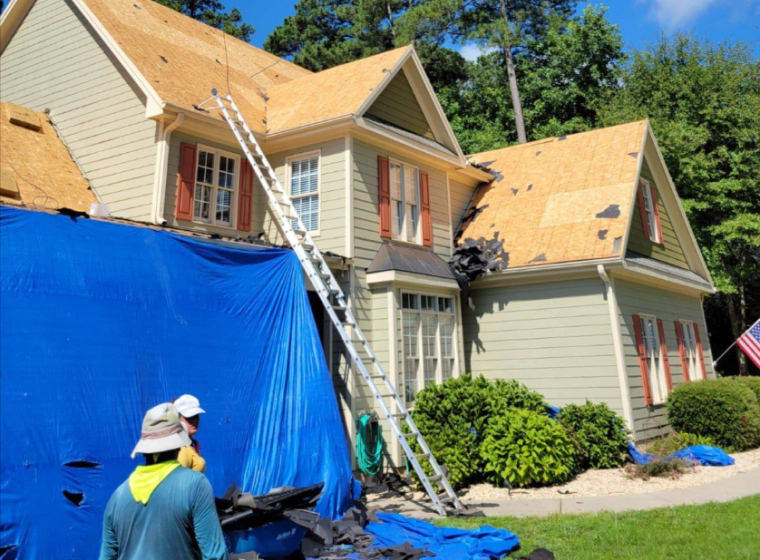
(337, 92)
(560, 199)
(184, 59)
(667, 269)
(408, 258)
(36, 162)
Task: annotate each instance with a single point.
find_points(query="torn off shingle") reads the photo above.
(602, 233)
(539, 258)
(515, 191)
(612, 211)
(616, 244)
(530, 186)
(634, 154)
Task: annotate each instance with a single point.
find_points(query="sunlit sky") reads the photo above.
(640, 21)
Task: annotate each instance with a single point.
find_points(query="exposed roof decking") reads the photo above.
(560, 199)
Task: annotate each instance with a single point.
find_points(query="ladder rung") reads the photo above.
(445, 498)
(398, 415)
(422, 456)
(411, 435)
(300, 232)
(435, 478)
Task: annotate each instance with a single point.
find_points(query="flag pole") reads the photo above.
(734, 343)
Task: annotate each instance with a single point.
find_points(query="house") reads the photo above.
(378, 177)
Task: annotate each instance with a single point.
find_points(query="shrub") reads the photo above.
(671, 468)
(598, 435)
(721, 409)
(452, 418)
(675, 441)
(526, 448)
(753, 383)
(513, 394)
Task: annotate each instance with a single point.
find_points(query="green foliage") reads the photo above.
(670, 468)
(675, 441)
(753, 383)
(212, 12)
(687, 440)
(721, 409)
(504, 395)
(598, 435)
(453, 417)
(526, 448)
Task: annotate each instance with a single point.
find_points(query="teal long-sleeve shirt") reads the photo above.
(179, 521)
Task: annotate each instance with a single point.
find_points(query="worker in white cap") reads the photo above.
(190, 412)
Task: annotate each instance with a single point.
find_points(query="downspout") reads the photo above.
(162, 165)
(617, 340)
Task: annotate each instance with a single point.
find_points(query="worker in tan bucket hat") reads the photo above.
(163, 510)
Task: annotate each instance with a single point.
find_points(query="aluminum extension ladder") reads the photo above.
(332, 297)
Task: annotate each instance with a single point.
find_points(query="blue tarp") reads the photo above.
(705, 455)
(101, 321)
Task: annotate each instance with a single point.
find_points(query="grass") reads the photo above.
(706, 532)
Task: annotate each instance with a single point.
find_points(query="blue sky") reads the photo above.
(640, 21)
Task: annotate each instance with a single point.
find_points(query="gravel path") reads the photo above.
(614, 482)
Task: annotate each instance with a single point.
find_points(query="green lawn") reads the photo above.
(728, 531)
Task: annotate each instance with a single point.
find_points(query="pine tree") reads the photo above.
(212, 12)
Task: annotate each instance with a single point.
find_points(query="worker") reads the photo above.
(190, 412)
(162, 510)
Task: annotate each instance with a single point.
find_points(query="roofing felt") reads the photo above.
(39, 165)
(669, 269)
(559, 199)
(184, 59)
(408, 258)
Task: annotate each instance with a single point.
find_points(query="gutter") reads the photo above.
(162, 171)
(617, 340)
(538, 271)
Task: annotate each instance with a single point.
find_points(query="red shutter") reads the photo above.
(700, 352)
(665, 359)
(384, 183)
(427, 223)
(642, 359)
(682, 352)
(643, 211)
(183, 205)
(245, 199)
(657, 223)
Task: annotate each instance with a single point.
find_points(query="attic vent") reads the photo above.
(21, 116)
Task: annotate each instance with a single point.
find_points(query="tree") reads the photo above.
(212, 12)
(703, 103)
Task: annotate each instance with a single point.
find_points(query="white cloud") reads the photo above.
(675, 13)
(473, 51)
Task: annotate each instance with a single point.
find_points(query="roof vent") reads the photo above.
(21, 116)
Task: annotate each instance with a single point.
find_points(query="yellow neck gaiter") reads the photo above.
(146, 479)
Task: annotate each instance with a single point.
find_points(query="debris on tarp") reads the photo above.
(704, 455)
(474, 258)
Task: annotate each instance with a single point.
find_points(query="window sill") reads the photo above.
(230, 228)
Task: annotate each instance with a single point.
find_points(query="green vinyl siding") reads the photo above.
(635, 299)
(555, 337)
(461, 196)
(670, 251)
(398, 106)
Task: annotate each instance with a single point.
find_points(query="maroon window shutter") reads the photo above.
(183, 205)
(245, 199)
(657, 222)
(643, 211)
(427, 223)
(642, 359)
(384, 184)
(700, 352)
(682, 351)
(665, 359)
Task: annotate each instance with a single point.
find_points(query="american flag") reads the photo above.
(749, 342)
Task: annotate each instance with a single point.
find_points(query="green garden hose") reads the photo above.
(369, 445)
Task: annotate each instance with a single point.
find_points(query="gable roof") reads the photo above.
(560, 199)
(37, 163)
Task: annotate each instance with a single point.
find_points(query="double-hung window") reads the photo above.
(648, 199)
(691, 361)
(429, 332)
(304, 188)
(653, 354)
(215, 187)
(405, 208)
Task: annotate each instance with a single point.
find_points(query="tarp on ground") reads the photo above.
(101, 321)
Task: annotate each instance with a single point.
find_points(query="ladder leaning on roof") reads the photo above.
(321, 277)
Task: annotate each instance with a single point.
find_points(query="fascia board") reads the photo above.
(551, 271)
(11, 20)
(632, 270)
(397, 277)
(383, 83)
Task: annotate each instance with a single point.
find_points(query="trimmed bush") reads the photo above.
(526, 448)
(452, 418)
(598, 435)
(513, 394)
(752, 383)
(721, 409)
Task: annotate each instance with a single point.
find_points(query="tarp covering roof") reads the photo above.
(560, 199)
(101, 321)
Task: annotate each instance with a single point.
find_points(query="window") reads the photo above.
(692, 366)
(429, 327)
(304, 189)
(215, 186)
(653, 355)
(405, 214)
(648, 207)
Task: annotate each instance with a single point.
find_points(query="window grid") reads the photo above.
(429, 327)
(646, 190)
(690, 351)
(405, 214)
(653, 351)
(304, 190)
(215, 180)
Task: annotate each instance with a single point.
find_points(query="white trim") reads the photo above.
(700, 375)
(389, 75)
(634, 198)
(288, 168)
(410, 279)
(653, 221)
(460, 354)
(660, 372)
(617, 339)
(349, 224)
(503, 277)
(448, 213)
(662, 279)
(706, 347)
(163, 148)
(392, 373)
(219, 153)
